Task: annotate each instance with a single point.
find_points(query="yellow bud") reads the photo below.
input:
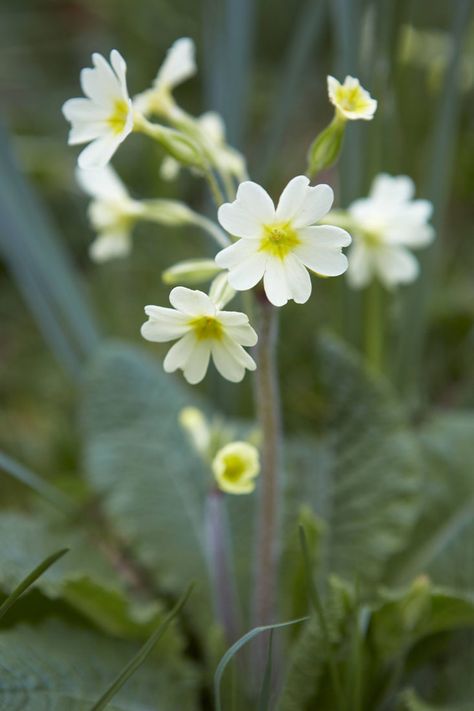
(235, 467)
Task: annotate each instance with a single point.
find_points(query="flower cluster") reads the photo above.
(280, 245)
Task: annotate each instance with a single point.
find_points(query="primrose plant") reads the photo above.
(268, 251)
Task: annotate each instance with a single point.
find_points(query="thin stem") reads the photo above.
(268, 411)
(374, 331)
(219, 558)
(217, 194)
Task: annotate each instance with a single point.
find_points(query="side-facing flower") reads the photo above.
(386, 225)
(235, 467)
(203, 330)
(351, 100)
(112, 212)
(105, 116)
(178, 65)
(280, 245)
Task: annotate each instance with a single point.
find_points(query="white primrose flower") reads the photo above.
(203, 330)
(105, 117)
(112, 212)
(281, 244)
(387, 224)
(351, 100)
(178, 65)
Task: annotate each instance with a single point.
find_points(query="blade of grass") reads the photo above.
(318, 608)
(305, 37)
(237, 646)
(36, 257)
(36, 483)
(264, 700)
(141, 656)
(29, 580)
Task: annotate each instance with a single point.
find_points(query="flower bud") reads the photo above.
(221, 291)
(325, 149)
(191, 272)
(235, 467)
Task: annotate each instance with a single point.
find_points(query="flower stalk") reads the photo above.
(268, 411)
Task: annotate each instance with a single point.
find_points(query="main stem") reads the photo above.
(268, 411)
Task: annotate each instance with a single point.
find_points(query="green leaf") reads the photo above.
(361, 477)
(54, 666)
(410, 701)
(85, 579)
(29, 580)
(138, 460)
(437, 546)
(308, 664)
(141, 656)
(232, 651)
(406, 617)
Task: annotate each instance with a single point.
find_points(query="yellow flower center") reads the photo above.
(234, 468)
(118, 118)
(207, 327)
(350, 99)
(279, 239)
(372, 238)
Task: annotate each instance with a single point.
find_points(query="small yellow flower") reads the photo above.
(235, 467)
(351, 100)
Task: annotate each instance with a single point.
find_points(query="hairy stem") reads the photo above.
(268, 411)
(220, 565)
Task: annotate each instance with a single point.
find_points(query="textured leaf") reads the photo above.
(139, 462)
(53, 667)
(309, 658)
(84, 579)
(438, 545)
(361, 476)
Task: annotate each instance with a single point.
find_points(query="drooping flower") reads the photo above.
(178, 65)
(105, 116)
(280, 245)
(351, 100)
(386, 225)
(203, 330)
(112, 212)
(235, 467)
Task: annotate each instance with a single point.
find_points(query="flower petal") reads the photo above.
(180, 353)
(102, 183)
(395, 265)
(292, 198)
(164, 324)
(274, 283)
(120, 68)
(192, 302)
(325, 236)
(392, 189)
(244, 335)
(297, 278)
(231, 360)
(110, 245)
(360, 269)
(98, 153)
(196, 367)
(178, 65)
(322, 257)
(317, 203)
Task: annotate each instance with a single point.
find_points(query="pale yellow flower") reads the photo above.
(351, 100)
(235, 467)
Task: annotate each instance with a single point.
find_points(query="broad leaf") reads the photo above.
(150, 483)
(53, 666)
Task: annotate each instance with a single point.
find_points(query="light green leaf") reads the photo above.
(438, 543)
(138, 460)
(361, 477)
(53, 666)
(84, 579)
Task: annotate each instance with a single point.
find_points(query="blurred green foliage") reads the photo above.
(379, 470)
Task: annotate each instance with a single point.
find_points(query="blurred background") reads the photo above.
(263, 66)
